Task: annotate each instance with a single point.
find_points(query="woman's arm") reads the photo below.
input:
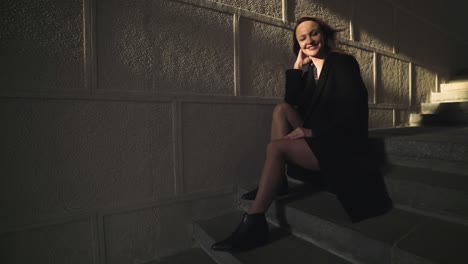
(296, 80)
(295, 83)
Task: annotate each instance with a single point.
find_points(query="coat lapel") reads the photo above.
(321, 84)
(310, 84)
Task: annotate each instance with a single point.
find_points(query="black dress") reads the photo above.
(336, 109)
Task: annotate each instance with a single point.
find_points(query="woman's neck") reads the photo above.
(318, 62)
(319, 59)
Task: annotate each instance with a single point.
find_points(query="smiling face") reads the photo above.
(309, 37)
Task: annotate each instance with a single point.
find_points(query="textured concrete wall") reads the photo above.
(374, 24)
(72, 242)
(100, 154)
(424, 82)
(336, 12)
(124, 121)
(42, 45)
(393, 81)
(217, 163)
(437, 28)
(366, 62)
(265, 54)
(156, 46)
(270, 8)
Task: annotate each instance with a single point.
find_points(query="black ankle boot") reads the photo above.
(250, 233)
(252, 194)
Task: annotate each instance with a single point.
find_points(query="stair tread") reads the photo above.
(281, 248)
(450, 95)
(189, 256)
(438, 241)
(460, 168)
(457, 135)
(327, 207)
(455, 86)
(403, 131)
(430, 177)
(440, 194)
(445, 107)
(410, 232)
(431, 143)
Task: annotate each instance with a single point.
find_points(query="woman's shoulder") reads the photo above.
(342, 56)
(342, 61)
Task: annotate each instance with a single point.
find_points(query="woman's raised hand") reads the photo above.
(301, 60)
(299, 132)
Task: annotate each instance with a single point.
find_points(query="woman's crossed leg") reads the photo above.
(279, 151)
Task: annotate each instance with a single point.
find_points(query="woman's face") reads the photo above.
(309, 37)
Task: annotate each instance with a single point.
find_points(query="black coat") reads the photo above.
(336, 109)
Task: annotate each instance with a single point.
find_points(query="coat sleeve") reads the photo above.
(295, 83)
(347, 106)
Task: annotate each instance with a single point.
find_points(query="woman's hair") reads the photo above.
(328, 34)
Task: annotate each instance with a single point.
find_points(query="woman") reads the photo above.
(326, 109)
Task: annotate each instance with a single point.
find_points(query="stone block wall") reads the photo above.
(124, 121)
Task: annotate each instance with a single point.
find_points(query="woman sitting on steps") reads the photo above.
(322, 125)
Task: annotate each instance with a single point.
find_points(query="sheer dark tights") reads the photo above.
(279, 150)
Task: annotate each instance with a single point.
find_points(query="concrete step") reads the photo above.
(456, 91)
(442, 114)
(397, 237)
(450, 96)
(189, 256)
(445, 144)
(444, 120)
(442, 108)
(435, 165)
(459, 85)
(440, 194)
(282, 247)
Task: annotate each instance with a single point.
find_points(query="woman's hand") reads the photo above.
(299, 132)
(301, 60)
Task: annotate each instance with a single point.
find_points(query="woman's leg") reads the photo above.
(296, 151)
(253, 229)
(284, 118)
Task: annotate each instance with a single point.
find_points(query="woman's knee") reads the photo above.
(280, 109)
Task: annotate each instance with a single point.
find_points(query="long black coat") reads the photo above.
(336, 109)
